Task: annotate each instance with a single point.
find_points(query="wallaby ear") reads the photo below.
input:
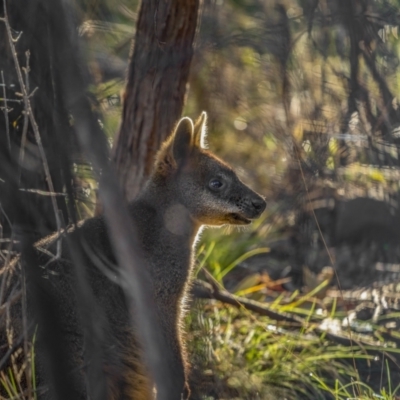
(182, 139)
(200, 130)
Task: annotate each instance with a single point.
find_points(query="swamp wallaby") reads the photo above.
(188, 189)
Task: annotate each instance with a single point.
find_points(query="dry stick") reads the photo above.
(28, 110)
(8, 257)
(13, 298)
(26, 119)
(205, 290)
(28, 368)
(6, 111)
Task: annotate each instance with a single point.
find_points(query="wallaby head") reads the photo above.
(204, 185)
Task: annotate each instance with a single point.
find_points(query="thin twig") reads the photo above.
(6, 111)
(42, 192)
(26, 120)
(8, 257)
(27, 353)
(12, 298)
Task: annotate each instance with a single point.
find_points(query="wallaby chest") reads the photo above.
(167, 249)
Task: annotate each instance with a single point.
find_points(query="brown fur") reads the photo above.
(189, 188)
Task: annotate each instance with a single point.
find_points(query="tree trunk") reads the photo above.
(156, 84)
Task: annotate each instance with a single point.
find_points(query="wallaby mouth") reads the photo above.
(250, 211)
(238, 219)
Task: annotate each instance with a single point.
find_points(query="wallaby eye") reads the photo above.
(215, 184)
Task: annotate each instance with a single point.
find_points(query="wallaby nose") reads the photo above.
(259, 204)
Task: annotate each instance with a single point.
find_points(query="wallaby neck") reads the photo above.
(172, 216)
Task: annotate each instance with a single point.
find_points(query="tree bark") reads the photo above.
(156, 85)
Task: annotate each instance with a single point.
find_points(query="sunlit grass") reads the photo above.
(253, 357)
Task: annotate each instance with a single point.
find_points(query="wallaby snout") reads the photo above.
(259, 204)
(249, 204)
(256, 205)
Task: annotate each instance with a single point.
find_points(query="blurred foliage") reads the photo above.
(278, 80)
